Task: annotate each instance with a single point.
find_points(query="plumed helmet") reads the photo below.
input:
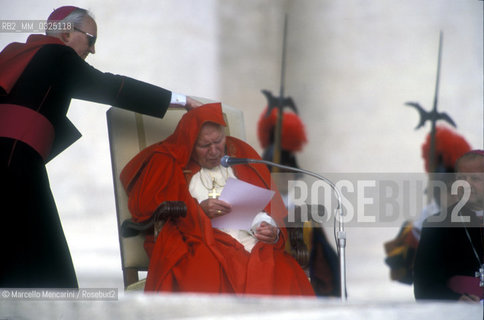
(449, 146)
(293, 133)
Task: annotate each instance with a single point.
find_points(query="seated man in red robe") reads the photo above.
(189, 255)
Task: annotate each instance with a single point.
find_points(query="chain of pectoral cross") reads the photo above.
(213, 193)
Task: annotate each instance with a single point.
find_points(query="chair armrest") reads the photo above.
(129, 228)
(165, 211)
(168, 210)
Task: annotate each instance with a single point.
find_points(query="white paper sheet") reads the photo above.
(246, 200)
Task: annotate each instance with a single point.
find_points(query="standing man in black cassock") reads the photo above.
(451, 247)
(38, 79)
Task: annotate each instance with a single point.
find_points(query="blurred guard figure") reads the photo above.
(307, 241)
(449, 146)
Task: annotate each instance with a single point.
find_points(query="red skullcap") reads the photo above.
(477, 151)
(61, 13)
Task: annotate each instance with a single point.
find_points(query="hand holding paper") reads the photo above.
(246, 200)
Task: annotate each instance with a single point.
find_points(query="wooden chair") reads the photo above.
(129, 133)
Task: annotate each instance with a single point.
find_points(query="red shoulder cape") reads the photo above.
(16, 56)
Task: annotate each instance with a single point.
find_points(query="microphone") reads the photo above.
(340, 236)
(228, 161)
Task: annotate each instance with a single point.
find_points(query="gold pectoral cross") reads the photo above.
(213, 194)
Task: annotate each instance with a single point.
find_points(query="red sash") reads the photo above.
(24, 124)
(466, 285)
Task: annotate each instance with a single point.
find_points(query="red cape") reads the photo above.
(190, 255)
(16, 56)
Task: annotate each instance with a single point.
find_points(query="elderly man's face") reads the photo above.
(210, 146)
(472, 170)
(81, 39)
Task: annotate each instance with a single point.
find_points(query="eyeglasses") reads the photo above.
(91, 39)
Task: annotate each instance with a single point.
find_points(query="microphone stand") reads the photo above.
(340, 234)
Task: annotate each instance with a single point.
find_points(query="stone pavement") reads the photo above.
(190, 306)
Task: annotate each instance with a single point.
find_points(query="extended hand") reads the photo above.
(192, 103)
(215, 208)
(266, 233)
(469, 298)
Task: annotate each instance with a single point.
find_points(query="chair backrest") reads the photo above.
(129, 133)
